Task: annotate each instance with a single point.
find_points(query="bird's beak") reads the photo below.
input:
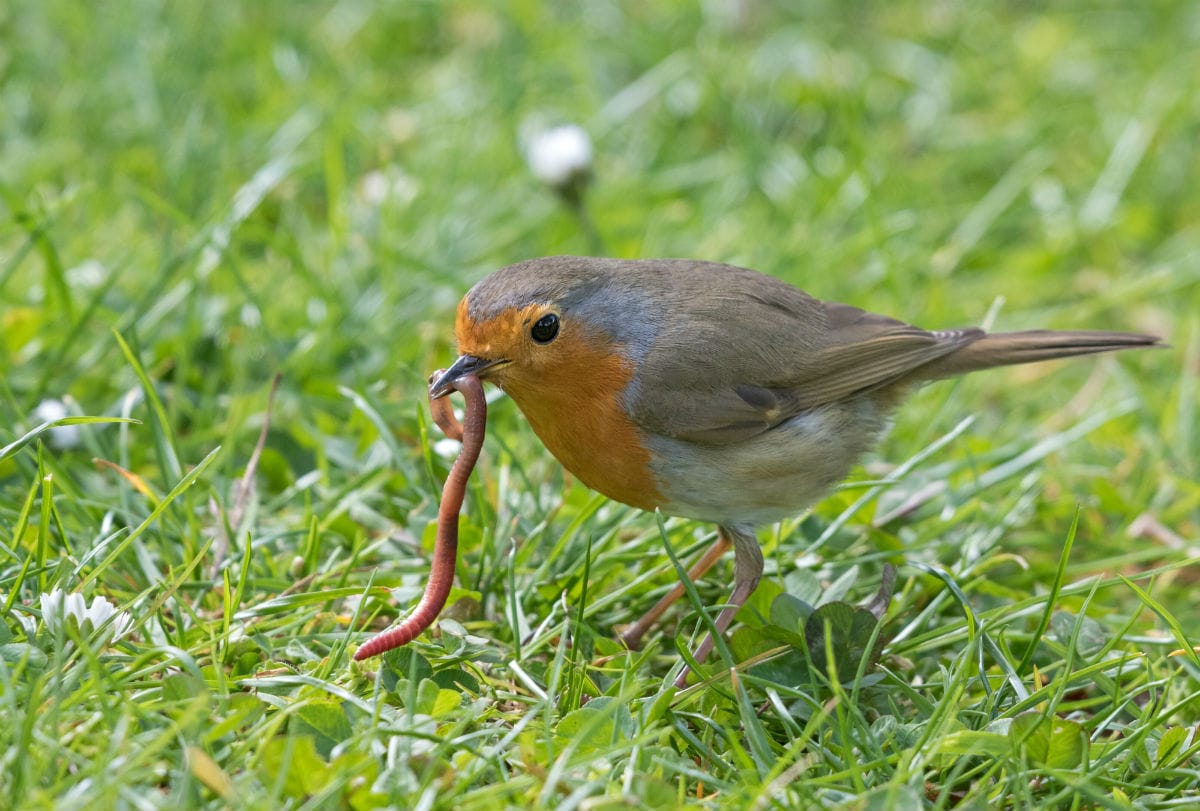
(465, 365)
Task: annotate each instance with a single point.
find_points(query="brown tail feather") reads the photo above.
(1008, 348)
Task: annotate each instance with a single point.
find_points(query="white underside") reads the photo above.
(772, 476)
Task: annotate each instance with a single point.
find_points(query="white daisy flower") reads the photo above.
(101, 623)
(560, 156)
(64, 436)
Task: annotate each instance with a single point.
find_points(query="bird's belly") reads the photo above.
(771, 476)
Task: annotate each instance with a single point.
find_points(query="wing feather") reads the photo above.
(794, 354)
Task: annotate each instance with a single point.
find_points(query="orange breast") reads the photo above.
(574, 407)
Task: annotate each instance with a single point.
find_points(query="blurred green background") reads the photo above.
(228, 180)
(245, 189)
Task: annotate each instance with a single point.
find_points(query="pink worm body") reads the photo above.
(445, 547)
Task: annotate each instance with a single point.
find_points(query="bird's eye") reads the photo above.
(545, 328)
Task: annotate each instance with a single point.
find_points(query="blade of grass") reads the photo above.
(1056, 586)
(187, 481)
(160, 426)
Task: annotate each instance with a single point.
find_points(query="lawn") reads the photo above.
(198, 198)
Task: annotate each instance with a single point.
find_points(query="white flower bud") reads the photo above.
(65, 436)
(560, 156)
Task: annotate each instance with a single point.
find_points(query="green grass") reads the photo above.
(190, 204)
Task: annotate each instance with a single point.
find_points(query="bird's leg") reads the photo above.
(748, 569)
(632, 636)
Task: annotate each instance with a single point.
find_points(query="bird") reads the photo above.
(710, 391)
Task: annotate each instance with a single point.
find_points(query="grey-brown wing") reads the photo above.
(720, 386)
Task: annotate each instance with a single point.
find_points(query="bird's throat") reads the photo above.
(584, 423)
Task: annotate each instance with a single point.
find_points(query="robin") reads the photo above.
(710, 391)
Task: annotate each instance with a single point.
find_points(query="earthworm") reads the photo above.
(443, 415)
(445, 547)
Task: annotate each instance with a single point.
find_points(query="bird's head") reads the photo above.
(537, 324)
